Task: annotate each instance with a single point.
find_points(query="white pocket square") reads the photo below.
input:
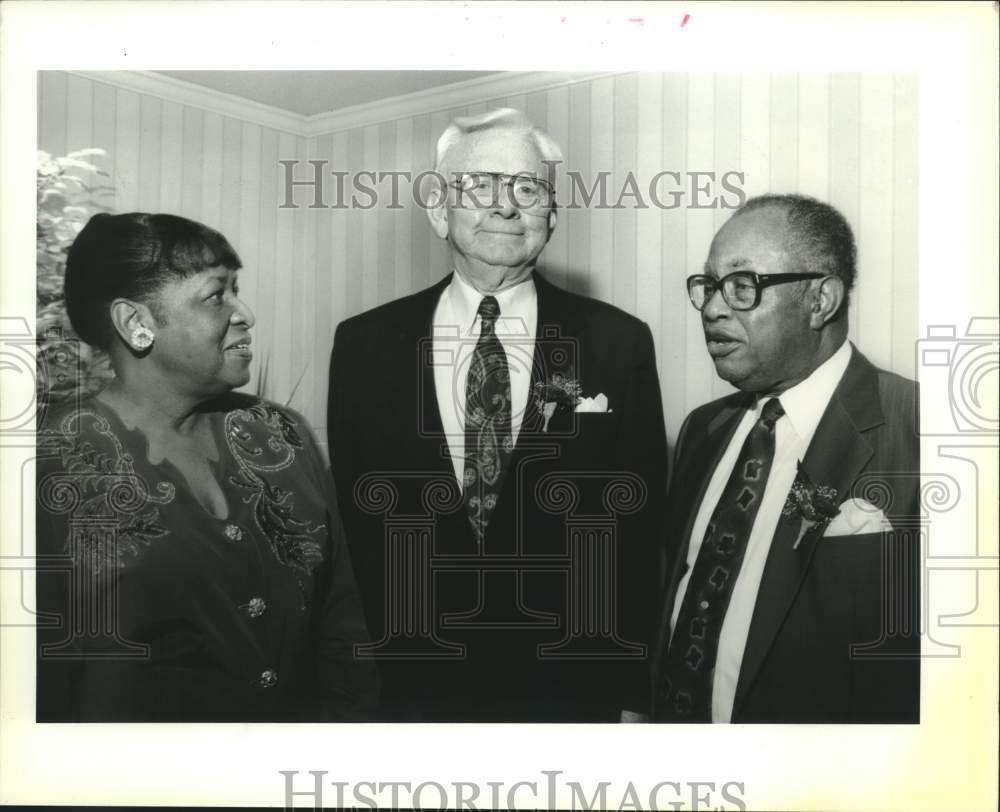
(857, 516)
(598, 403)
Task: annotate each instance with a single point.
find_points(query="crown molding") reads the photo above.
(446, 97)
(192, 95)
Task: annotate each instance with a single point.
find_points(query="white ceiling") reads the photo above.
(312, 92)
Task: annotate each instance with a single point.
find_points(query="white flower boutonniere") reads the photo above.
(558, 392)
(816, 505)
(562, 393)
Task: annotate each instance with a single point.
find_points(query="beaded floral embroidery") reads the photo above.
(113, 510)
(263, 440)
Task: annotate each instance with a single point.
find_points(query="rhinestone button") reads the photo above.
(255, 607)
(703, 604)
(233, 533)
(268, 679)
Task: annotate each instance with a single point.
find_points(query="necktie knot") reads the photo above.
(771, 412)
(489, 311)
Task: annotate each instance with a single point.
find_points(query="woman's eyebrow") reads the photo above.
(218, 274)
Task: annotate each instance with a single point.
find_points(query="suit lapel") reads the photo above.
(835, 457)
(686, 494)
(415, 338)
(696, 476)
(558, 346)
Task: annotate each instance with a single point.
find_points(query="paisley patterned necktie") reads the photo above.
(685, 690)
(488, 438)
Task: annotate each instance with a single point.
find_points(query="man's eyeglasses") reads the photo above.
(522, 191)
(740, 289)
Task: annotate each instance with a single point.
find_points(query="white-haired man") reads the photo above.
(499, 451)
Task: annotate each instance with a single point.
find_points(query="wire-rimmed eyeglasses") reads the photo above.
(521, 191)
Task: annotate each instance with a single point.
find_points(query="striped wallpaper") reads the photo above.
(850, 139)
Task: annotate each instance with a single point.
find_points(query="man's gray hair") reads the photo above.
(820, 236)
(505, 118)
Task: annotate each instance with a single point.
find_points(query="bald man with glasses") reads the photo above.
(792, 590)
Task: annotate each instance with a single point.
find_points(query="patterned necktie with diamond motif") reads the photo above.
(685, 690)
(488, 438)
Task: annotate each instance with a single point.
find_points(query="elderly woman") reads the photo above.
(192, 563)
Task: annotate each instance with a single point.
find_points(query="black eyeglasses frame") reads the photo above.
(760, 280)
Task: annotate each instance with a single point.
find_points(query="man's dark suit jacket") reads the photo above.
(551, 620)
(818, 601)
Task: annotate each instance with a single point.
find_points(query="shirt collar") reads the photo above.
(517, 304)
(805, 402)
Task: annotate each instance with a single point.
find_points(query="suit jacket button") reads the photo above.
(268, 679)
(703, 605)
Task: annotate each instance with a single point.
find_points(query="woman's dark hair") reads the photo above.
(132, 256)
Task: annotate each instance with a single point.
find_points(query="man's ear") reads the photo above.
(437, 212)
(126, 315)
(826, 301)
(552, 221)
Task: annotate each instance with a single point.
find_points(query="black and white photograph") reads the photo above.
(608, 431)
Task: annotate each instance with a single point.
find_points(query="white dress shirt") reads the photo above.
(804, 405)
(456, 329)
